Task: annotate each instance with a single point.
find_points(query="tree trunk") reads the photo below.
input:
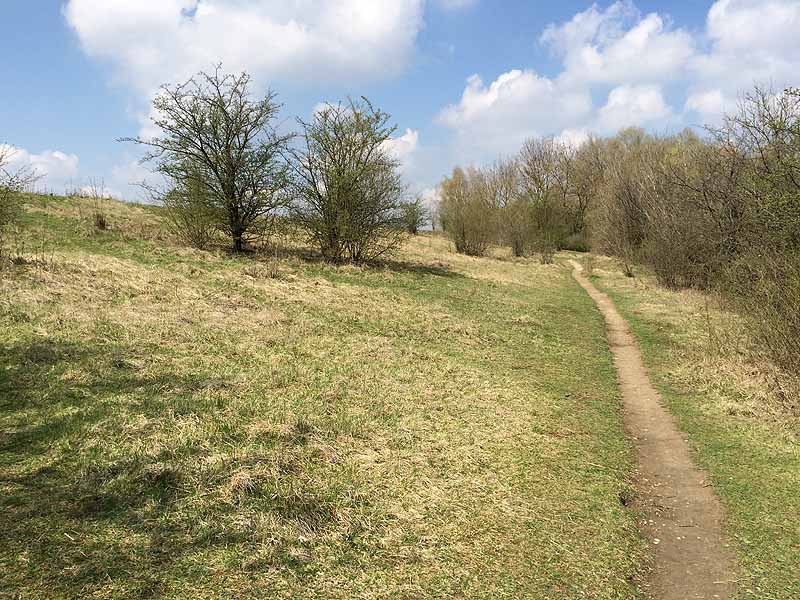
(238, 244)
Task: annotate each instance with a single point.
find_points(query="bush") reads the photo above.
(192, 217)
(576, 242)
(348, 187)
(468, 211)
(415, 216)
(765, 288)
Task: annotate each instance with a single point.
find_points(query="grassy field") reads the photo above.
(185, 424)
(743, 429)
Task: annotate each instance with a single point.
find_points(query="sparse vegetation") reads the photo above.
(13, 182)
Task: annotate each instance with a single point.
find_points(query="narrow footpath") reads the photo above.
(682, 516)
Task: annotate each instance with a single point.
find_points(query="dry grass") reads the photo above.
(186, 424)
(741, 415)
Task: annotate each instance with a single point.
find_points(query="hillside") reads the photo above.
(183, 424)
(178, 423)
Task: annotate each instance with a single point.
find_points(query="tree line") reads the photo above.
(718, 210)
(535, 202)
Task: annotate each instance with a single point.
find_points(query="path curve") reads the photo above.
(682, 515)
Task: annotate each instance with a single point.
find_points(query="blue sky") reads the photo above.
(465, 80)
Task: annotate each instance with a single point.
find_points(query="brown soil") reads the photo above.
(682, 517)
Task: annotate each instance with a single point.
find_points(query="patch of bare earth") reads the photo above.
(682, 517)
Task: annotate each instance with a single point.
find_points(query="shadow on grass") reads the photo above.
(311, 257)
(77, 517)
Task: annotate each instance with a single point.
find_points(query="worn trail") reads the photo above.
(682, 515)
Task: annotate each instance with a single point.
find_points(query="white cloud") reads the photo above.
(99, 189)
(128, 176)
(431, 200)
(55, 169)
(630, 105)
(431, 196)
(751, 41)
(635, 62)
(403, 147)
(619, 46)
(615, 52)
(574, 138)
(150, 42)
(618, 66)
(710, 104)
(517, 105)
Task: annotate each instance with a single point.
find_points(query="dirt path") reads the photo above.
(682, 513)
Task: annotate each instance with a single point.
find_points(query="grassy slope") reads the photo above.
(747, 442)
(179, 424)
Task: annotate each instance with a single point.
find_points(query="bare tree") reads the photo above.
(586, 178)
(763, 279)
(766, 131)
(620, 225)
(348, 187)
(220, 144)
(515, 216)
(544, 167)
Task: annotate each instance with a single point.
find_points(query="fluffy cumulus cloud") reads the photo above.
(132, 177)
(431, 200)
(619, 45)
(750, 41)
(56, 170)
(150, 42)
(615, 66)
(574, 138)
(708, 103)
(403, 148)
(620, 67)
(632, 105)
(514, 106)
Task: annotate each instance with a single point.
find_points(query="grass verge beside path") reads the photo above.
(181, 424)
(739, 430)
